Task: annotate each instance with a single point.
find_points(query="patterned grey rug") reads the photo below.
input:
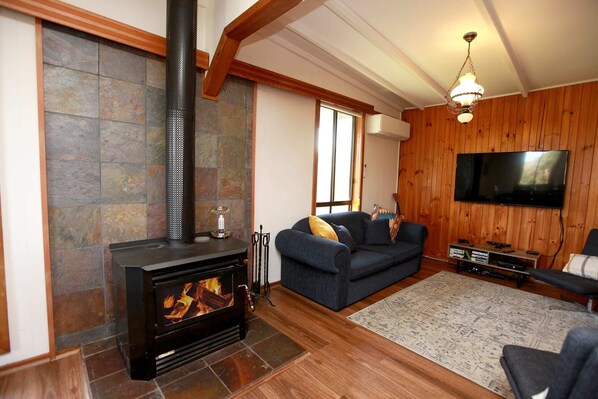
(462, 324)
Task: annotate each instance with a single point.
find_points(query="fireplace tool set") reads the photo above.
(260, 286)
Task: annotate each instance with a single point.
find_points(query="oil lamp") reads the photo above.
(219, 221)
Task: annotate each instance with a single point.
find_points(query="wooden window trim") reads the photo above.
(283, 82)
(314, 187)
(4, 332)
(44, 184)
(358, 158)
(356, 173)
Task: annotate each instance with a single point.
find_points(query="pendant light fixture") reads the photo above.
(465, 92)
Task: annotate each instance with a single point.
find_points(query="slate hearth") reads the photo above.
(217, 375)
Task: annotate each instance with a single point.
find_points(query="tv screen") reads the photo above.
(532, 178)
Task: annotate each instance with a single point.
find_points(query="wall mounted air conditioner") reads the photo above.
(387, 126)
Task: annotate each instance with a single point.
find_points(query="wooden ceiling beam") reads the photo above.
(362, 27)
(512, 61)
(253, 19)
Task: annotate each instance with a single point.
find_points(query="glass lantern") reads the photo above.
(219, 221)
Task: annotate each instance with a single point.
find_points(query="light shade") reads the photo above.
(468, 90)
(465, 92)
(465, 117)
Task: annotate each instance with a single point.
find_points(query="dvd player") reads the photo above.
(508, 265)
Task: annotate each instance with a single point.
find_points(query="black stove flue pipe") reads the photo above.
(181, 27)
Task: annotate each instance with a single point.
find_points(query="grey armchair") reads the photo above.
(571, 282)
(572, 373)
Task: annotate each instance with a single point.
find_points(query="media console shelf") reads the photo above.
(481, 257)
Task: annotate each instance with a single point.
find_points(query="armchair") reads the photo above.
(579, 285)
(568, 374)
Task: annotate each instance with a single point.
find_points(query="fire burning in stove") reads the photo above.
(194, 299)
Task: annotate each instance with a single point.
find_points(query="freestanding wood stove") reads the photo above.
(177, 300)
(176, 304)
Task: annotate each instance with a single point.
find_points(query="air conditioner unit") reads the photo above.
(387, 126)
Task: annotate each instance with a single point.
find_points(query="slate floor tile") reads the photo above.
(277, 350)
(180, 372)
(214, 376)
(224, 353)
(240, 369)
(104, 363)
(120, 386)
(202, 384)
(258, 330)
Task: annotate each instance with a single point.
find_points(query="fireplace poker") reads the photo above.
(261, 253)
(254, 240)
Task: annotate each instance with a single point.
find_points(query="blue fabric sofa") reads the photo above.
(329, 273)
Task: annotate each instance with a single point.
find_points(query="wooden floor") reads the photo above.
(344, 360)
(63, 378)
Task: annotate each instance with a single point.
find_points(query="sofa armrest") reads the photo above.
(413, 233)
(318, 252)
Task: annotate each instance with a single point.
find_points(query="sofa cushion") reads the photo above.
(364, 263)
(394, 220)
(376, 232)
(344, 236)
(321, 228)
(351, 220)
(399, 252)
(582, 265)
(380, 213)
(395, 225)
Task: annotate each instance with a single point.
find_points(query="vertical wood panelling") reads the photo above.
(564, 118)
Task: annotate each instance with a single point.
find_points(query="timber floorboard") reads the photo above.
(63, 378)
(343, 360)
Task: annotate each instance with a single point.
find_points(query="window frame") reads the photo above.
(353, 202)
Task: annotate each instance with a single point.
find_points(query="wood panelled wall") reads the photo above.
(563, 118)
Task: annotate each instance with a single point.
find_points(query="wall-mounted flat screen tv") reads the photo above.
(532, 178)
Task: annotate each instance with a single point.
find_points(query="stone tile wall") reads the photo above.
(105, 151)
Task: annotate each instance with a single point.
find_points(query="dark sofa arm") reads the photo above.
(413, 233)
(324, 254)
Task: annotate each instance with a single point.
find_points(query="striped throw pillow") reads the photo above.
(582, 265)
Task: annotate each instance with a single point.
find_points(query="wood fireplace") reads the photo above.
(176, 304)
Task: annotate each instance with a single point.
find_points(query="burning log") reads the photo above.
(168, 301)
(182, 304)
(181, 308)
(214, 300)
(196, 299)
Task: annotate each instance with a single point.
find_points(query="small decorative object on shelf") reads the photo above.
(219, 222)
(260, 248)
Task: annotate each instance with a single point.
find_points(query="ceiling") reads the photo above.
(409, 51)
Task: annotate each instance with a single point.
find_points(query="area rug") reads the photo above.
(462, 324)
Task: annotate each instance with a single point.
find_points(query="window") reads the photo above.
(336, 166)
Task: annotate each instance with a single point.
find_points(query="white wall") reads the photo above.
(150, 16)
(20, 189)
(381, 160)
(262, 51)
(284, 151)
